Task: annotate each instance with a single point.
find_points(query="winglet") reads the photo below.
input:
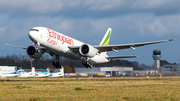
(172, 39)
(106, 38)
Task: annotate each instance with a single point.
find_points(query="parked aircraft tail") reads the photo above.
(18, 70)
(33, 70)
(47, 69)
(61, 70)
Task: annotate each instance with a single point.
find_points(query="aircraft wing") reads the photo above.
(42, 48)
(16, 46)
(125, 46)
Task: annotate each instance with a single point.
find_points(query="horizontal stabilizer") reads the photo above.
(112, 57)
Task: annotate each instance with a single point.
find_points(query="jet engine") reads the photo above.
(33, 52)
(88, 50)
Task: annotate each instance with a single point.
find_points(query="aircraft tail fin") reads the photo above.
(47, 69)
(106, 38)
(62, 70)
(18, 70)
(33, 70)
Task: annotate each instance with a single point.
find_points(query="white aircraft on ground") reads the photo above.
(70, 74)
(60, 45)
(82, 74)
(26, 75)
(43, 74)
(60, 73)
(11, 75)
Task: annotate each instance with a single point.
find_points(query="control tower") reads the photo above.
(157, 57)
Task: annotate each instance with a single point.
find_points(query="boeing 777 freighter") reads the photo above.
(60, 45)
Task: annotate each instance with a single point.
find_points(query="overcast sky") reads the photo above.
(132, 21)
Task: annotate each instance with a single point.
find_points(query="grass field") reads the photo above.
(90, 89)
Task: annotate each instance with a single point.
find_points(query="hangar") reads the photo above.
(7, 69)
(113, 71)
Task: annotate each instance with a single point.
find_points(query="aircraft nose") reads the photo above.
(32, 35)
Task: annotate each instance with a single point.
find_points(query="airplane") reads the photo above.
(11, 75)
(43, 74)
(59, 45)
(70, 74)
(26, 75)
(60, 73)
(82, 74)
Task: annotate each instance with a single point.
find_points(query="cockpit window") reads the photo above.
(34, 30)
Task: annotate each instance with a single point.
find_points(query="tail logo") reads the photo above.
(106, 41)
(106, 38)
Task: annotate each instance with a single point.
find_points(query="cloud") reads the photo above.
(91, 17)
(88, 9)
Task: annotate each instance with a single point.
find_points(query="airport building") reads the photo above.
(170, 70)
(113, 71)
(7, 69)
(166, 70)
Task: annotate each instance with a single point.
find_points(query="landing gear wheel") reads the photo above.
(87, 64)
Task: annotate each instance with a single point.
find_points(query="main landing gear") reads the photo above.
(86, 63)
(57, 64)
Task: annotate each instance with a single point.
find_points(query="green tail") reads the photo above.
(106, 38)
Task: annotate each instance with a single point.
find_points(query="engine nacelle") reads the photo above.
(88, 50)
(33, 52)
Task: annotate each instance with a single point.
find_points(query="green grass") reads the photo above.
(90, 89)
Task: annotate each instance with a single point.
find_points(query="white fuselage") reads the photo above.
(26, 75)
(42, 75)
(55, 75)
(8, 75)
(58, 74)
(60, 43)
